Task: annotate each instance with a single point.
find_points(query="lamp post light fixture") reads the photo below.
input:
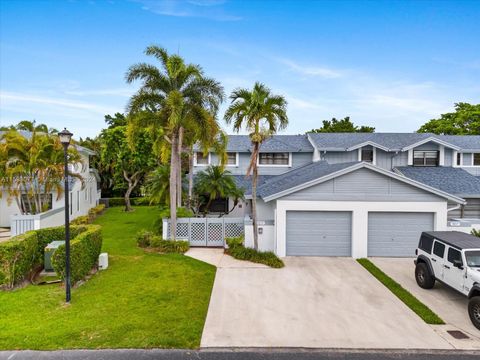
(65, 138)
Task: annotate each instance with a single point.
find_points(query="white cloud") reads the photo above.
(123, 92)
(208, 9)
(316, 71)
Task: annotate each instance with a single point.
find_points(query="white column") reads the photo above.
(454, 160)
(442, 155)
(359, 233)
(374, 161)
(410, 157)
(360, 154)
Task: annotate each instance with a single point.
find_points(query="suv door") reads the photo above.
(453, 276)
(437, 259)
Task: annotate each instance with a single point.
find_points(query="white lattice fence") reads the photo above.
(205, 231)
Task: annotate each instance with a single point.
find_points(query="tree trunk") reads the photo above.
(190, 178)
(132, 183)
(173, 187)
(254, 197)
(179, 169)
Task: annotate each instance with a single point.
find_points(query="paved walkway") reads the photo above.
(311, 303)
(218, 258)
(450, 305)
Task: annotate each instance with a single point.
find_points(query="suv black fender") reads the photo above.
(474, 291)
(426, 260)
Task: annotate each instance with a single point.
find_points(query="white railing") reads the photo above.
(20, 224)
(205, 231)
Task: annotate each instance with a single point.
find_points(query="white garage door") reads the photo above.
(396, 234)
(319, 233)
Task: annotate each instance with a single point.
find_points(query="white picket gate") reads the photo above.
(210, 232)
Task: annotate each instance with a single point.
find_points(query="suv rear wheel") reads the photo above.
(424, 278)
(474, 311)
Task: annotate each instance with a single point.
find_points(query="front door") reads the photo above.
(453, 276)
(437, 259)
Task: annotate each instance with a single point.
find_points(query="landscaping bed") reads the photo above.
(237, 250)
(143, 300)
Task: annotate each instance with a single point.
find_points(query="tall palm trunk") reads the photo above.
(190, 177)
(179, 168)
(254, 196)
(173, 187)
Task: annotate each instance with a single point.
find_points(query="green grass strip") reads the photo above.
(406, 297)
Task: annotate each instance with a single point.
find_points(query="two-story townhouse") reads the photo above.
(83, 195)
(356, 194)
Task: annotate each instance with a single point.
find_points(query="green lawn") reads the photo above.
(143, 300)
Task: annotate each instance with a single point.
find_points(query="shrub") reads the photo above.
(136, 201)
(84, 251)
(143, 238)
(146, 239)
(165, 213)
(24, 253)
(476, 232)
(81, 220)
(237, 250)
(169, 246)
(18, 257)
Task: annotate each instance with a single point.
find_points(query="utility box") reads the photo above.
(48, 253)
(103, 261)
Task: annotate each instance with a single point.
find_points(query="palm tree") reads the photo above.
(157, 186)
(179, 98)
(262, 114)
(33, 166)
(217, 183)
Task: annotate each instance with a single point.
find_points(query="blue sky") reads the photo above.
(389, 64)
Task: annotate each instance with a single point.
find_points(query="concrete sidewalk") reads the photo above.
(312, 303)
(450, 305)
(218, 258)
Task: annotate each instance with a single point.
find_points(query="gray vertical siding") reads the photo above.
(467, 159)
(448, 158)
(428, 146)
(335, 157)
(298, 159)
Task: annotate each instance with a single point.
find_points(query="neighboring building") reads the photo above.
(354, 194)
(81, 200)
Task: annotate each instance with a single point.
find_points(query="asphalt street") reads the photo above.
(237, 354)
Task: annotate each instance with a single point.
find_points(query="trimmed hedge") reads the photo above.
(135, 201)
(84, 251)
(24, 253)
(92, 215)
(237, 250)
(147, 239)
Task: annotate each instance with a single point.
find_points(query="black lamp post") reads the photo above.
(65, 138)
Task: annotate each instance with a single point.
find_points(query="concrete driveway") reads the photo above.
(447, 303)
(312, 302)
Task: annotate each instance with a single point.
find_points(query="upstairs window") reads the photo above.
(274, 159)
(232, 159)
(476, 159)
(425, 158)
(367, 155)
(459, 159)
(202, 160)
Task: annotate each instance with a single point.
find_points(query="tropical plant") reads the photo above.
(128, 162)
(32, 167)
(476, 232)
(263, 114)
(465, 120)
(342, 126)
(179, 99)
(215, 182)
(157, 185)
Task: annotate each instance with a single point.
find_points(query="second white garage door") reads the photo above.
(396, 234)
(319, 233)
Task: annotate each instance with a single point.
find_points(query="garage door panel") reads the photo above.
(318, 233)
(395, 234)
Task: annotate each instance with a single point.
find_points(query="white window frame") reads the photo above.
(236, 159)
(374, 156)
(209, 157)
(275, 165)
(473, 155)
(471, 161)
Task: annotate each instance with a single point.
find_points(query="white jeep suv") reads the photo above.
(453, 258)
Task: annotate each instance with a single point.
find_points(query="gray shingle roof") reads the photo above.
(276, 143)
(452, 180)
(245, 183)
(300, 175)
(393, 141)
